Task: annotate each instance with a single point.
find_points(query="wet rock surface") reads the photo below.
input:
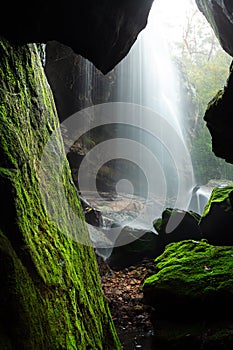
(147, 245)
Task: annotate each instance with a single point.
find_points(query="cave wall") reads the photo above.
(219, 13)
(218, 116)
(76, 83)
(102, 31)
(50, 295)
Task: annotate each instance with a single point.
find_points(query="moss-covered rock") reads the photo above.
(192, 296)
(50, 294)
(217, 219)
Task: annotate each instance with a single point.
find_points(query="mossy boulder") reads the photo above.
(191, 295)
(176, 225)
(50, 291)
(217, 220)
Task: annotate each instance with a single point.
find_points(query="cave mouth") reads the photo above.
(174, 69)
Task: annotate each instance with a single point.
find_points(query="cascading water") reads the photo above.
(200, 197)
(148, 144)
(148, 77)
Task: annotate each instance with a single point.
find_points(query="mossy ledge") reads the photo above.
(50, 294)
(191, 296)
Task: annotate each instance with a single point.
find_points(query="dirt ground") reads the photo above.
(130, 315)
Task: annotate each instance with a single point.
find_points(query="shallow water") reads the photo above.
(126, 209)
(131, 339)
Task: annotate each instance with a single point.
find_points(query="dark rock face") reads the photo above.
(219, 121)
(218, 117)
(217, 220)
(219, 14)
(176, 225)
(102, 31)
(143, 247)
(75, 82)
(93, 216)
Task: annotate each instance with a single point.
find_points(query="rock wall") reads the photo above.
(102, 31)
(75, 82)
(219, 14)
(218, 116)
(50, 295)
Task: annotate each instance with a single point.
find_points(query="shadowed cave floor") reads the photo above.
(130, 315)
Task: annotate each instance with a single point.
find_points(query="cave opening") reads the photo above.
(175, 67)
(145, 147)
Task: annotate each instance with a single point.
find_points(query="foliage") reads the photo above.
(203, 68)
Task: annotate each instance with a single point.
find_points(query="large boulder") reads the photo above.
(191, 295)
(102, 31)
(184, 225)
(176, 225)
(142, 246)
(217, 220)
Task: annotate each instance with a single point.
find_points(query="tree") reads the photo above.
(203, 67)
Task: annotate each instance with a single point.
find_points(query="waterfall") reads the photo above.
(148, 77)
(200, 197)
(144, 153)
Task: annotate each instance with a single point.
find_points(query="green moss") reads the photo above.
(216, 99)
(219, 195)
(192, 296)
(192, 272)
(192, 256)
(51, 295)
